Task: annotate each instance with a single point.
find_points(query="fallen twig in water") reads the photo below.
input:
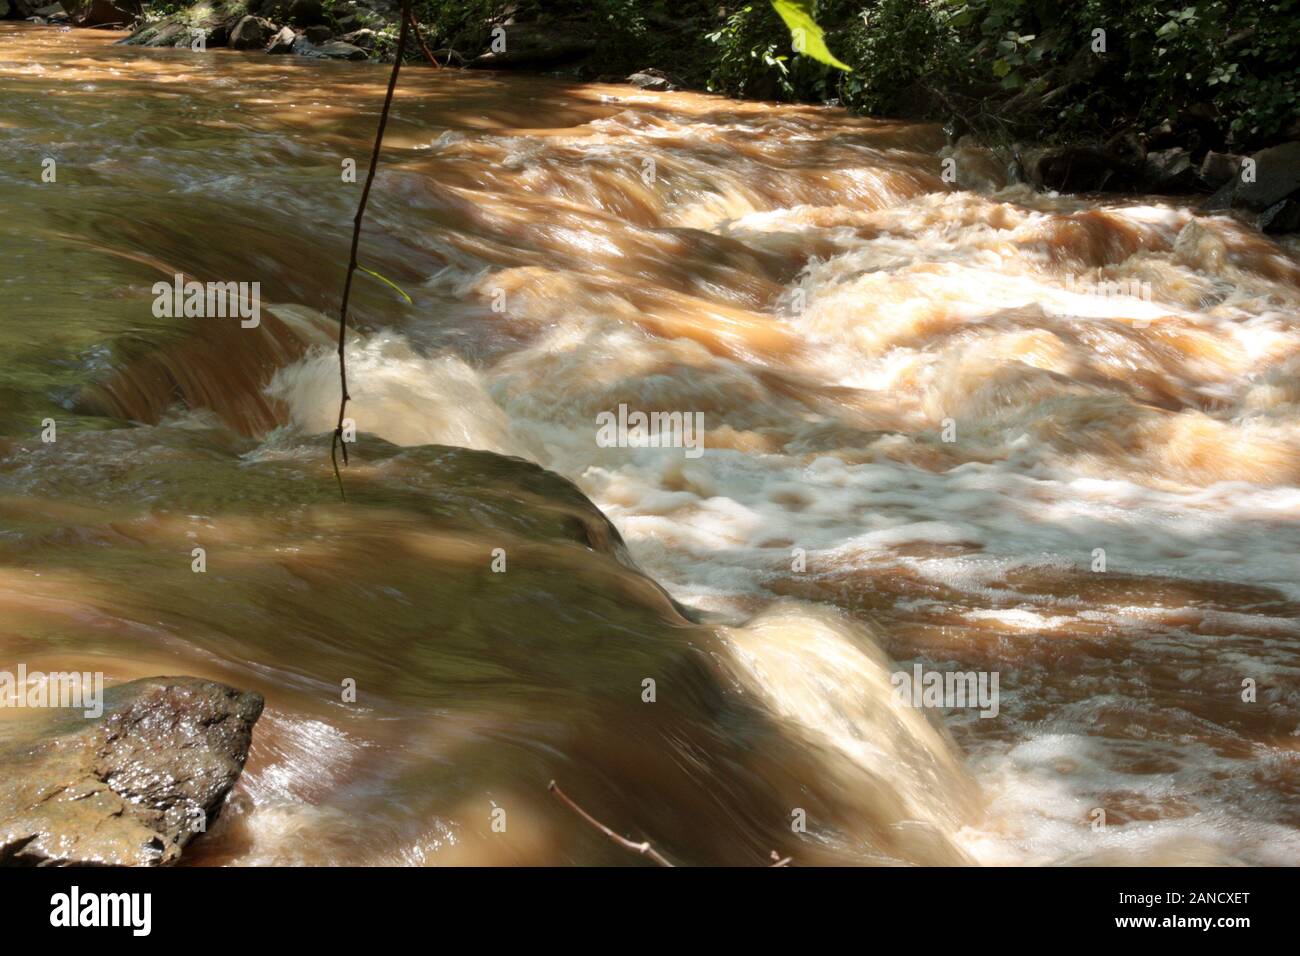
(644, 849)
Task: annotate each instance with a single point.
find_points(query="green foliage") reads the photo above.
(749, 61)
(897, 47)
(1240, 58)
(1030, 65)
(466, 25)
(463, 25)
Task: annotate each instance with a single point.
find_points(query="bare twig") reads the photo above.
(645, 849)
(337, 440)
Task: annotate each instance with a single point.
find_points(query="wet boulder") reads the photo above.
(211, 23)
(1269, 189)
(52, 13)
(102, 13)
(129, 788)
(362, 39)
(1217, 168)
(654, 80)
(1075, 168)
(1277, 177)
(1169, 171)
(164, 33)
(282, 42)
(251, 33)
(179, 32)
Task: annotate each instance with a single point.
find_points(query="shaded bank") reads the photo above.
(1093, 97)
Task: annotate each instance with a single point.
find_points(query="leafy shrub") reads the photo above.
(895, 46)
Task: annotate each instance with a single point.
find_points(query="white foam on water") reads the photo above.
(1165, 433)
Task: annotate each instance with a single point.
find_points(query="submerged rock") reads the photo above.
(130, 788)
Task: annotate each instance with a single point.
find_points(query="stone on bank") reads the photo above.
(130, 788)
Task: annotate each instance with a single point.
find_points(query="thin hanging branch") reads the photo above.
(337, 440)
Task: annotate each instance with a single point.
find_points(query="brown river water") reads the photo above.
(925, 442)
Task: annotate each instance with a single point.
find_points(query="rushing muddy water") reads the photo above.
(925, 442)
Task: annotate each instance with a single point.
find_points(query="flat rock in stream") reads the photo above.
(130, 788)
(338, 50)
(333, 50)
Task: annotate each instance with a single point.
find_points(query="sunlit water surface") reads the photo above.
(917, 439)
